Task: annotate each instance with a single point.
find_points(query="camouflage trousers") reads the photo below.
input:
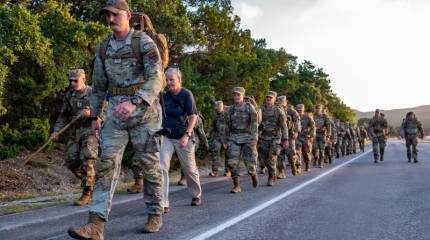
(146, 144)
(320, 144)
(268, 151)
(216, 148)
(378, 143)
(245, 151)
(411, 146)
(361, 144)
(339, 151)
(345, 144)
(304, 149)
(81, 153)
(289, 154)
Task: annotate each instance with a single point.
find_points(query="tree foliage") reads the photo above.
(40, 40)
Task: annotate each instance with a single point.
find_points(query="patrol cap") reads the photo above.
(319, 105)
(272, 94)
(249, 97)
(75, 73)
(239, 90)
(377, 110)
(282, 100)
(300, 107)
(115, 6)
(218, 103)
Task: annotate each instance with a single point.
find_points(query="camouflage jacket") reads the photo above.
(341, 131)
(411, 128)
(217, 127)
(122, 69)
(308, 125)
(322, 124)
(293, 120)
(274, 124)
(241, 124)
(378, 127)
(200, 132)
(363, 134)
(73, 104)
(333, 129)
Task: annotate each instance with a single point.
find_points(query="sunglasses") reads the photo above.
(73, 80)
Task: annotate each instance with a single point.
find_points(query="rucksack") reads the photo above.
(137, 21)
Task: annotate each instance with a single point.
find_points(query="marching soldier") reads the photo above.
(410, 130)
(306, 136)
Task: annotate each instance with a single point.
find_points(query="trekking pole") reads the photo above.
(28, 159)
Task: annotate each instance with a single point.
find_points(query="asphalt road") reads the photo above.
(351, 199)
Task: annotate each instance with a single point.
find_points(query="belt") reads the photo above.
(126, 91)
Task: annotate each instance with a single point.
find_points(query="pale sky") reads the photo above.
(375, 51)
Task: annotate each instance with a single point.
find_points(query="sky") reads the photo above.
(376, 51)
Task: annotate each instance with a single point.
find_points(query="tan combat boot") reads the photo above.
(183, 180)
(86, 197)
(307, 167)
(214, 173)
(281, 173)
(236, 184)
(94, 229)
(271, 180)
(137, 187)
(254, 180)
(227, 173)
(294, 169)
(154, 223)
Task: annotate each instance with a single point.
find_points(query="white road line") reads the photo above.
(257, 209)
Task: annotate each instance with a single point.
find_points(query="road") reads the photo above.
(351, 199)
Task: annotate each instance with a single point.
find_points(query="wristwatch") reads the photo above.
(136, 100)
(188, 134)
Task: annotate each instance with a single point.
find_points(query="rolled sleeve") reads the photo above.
(99, 85)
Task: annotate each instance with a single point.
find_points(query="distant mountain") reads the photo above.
(395, 116)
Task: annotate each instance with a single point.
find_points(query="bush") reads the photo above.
(29, 134)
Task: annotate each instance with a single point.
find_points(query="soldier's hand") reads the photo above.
(124, 110)
(95, 128)
(86, 113)
(54, 136)
(225, 146)
(285, 144)
(295, 135)
(183, 142)
(253, 143)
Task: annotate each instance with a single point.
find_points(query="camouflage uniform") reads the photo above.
(363, 137)
(304, 145)
(241, 129)
(331, 143)
(347, 142)
(251, 100)
(339, 151)
(82, 148)
(294, 127)
(323, 128)
(216, 132)
(273, 130)
(410, 129)
(378, 131)
(124, 74)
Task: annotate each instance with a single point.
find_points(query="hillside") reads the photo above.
(395, 116)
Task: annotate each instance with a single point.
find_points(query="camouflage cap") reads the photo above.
(239, 90)
(282, 100)
(249, 97)
(75, 73)
(218, 103)
(300, 107)
(319, 105)
(272, 94)
(115, 6)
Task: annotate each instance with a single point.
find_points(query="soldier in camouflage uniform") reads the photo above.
(331, 141)
(241, 136)
(355, 138)
(127, 65)
(216, 131)
(250, 99)
(294, 128)
(378, 129)
(410, 129)
(348, 139)
(323, 129)
(363, 137)
(273, 135)
(306, 136)
(339, 151)
(82, 147)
